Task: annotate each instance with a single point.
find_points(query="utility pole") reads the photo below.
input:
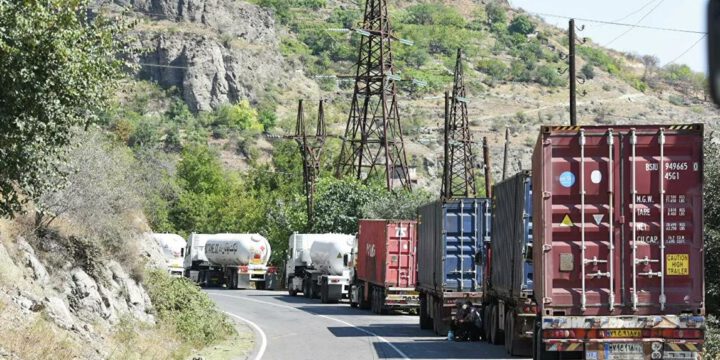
(310, 149)
(459, 174)
(505, 153)
(373, 140)
(488, 169)
(571, 60)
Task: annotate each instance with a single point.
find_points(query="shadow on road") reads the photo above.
(442, 349)
(384, 329)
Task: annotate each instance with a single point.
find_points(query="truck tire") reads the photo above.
(306, 288)
(441, 329)
(373, 300)
(425, 320)
(496, 337)
(486, 322)
(363, 303)
(259, 285)
(323, 291)
(291, 290)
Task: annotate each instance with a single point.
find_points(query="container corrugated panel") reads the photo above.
(387, 252)
(511, 270)
(451, 236)
(619, 219)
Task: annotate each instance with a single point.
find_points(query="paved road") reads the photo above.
(300, 328)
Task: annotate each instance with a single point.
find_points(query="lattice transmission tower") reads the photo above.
(311, 149)
(458, 171)
(373, 143)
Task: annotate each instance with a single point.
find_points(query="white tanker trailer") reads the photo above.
(233, 260)
(173, 249)
(318, 265)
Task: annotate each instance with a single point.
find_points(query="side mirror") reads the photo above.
(713, 35)
(345, 260)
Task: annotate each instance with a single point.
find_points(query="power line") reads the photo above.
(688, 49)
(596, 21)
(636, 11)
(636, 24)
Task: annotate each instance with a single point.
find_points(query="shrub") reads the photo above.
(240, 116)
(496, 69)
(521, 25)
(548, 76)
(182, 304)
(588, 71)
(496, 13)
(434, 14)
(676, 100)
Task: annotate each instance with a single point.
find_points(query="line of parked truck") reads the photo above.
(597, 252)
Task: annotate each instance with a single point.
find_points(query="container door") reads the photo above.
(466, 226)
(401, 261)
(662, 234)
(581, 259)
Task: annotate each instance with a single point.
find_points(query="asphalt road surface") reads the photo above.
(299, 328)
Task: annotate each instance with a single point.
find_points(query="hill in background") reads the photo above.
(275, 52)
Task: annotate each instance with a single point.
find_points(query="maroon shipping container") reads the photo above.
(385, 265)
(601, 188)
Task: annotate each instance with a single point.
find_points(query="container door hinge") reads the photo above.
(547, 300)
(546, 247)
(546, 194)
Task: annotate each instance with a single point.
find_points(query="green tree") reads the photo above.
(521, 24)
(58, 67)
(401, 205)
(339, 203)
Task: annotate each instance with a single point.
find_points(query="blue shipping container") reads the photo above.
(452, 237)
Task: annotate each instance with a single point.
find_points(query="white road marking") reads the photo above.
(263, 338)
(398, 351)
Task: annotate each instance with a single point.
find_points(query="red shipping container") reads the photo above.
(386, 253)
(618, 220)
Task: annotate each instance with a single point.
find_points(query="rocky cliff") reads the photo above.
(211, 51)
(72, 311)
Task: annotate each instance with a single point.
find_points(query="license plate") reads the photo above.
(256, 261)
(625, 333)
(624, 351)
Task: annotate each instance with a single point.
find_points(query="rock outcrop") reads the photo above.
(70, 297)
(212, 51)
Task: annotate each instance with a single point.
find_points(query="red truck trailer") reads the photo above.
(618, 242)
(385, 266)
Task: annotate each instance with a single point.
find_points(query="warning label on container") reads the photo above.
(567, 221)
(677, 264)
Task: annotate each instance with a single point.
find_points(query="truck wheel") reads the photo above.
(259, 285)
(323, 291)
(495, 334)
(441, 328)
(425, 320)
(364, 304)
(381, 302)
(373, 300)
(306, 288)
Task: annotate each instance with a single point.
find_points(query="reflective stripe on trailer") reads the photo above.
(561, 346)
(674, 346)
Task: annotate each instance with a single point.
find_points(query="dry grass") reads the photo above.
(134, 340)
(38, 339)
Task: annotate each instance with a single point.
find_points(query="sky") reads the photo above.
(666, 45)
